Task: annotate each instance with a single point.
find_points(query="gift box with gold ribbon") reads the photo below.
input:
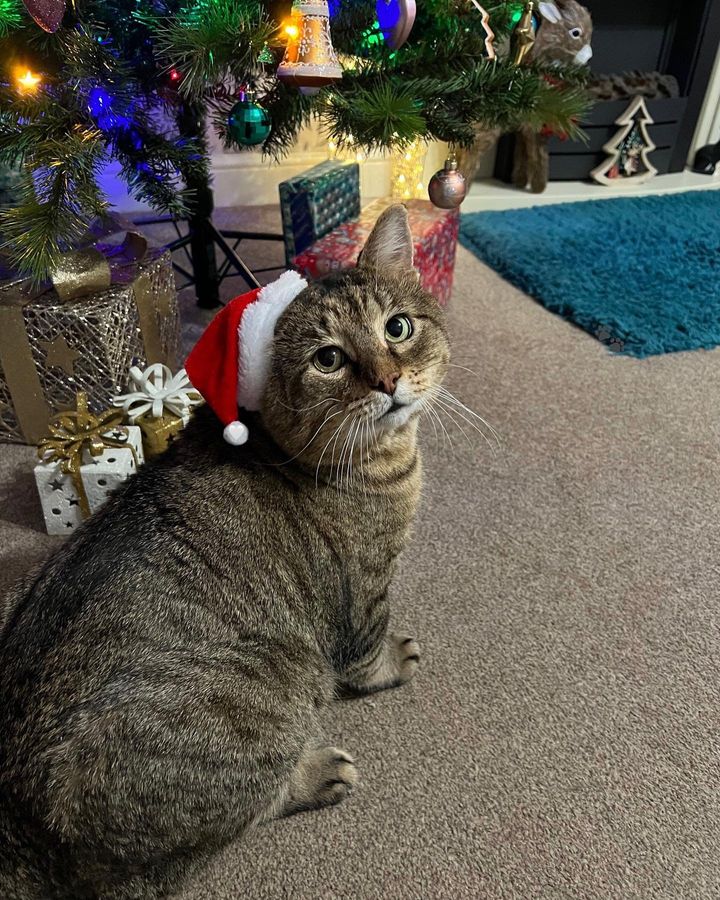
(111, 305)
(83, 458)
(160, 403)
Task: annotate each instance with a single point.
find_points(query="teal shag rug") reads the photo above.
(641, 274)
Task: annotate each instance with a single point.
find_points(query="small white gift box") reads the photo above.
(62, 503)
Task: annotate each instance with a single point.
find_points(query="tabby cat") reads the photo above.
(162, 675)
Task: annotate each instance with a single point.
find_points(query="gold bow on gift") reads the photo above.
(89, 269)
(72, 432)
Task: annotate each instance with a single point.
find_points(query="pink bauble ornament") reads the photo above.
(447, 187)
(47, 13)
(396, 19)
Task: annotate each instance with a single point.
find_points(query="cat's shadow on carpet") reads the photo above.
(19, 502)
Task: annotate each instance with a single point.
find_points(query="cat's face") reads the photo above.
(356, 357)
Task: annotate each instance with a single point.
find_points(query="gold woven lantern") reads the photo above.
(310, 61)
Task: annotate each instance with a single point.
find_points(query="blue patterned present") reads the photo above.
(316, 201)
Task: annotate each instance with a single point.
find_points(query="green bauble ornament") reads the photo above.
(248, 122)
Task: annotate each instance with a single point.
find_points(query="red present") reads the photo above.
(434, 232)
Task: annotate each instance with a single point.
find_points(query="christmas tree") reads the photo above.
(134, 81)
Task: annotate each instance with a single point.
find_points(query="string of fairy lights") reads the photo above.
(249, 123)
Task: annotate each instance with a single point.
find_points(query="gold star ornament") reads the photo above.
(59, 353)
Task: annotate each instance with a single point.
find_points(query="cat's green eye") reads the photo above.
(398, 329)
(329, 359)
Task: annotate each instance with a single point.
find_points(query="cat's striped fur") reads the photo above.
(162, 675)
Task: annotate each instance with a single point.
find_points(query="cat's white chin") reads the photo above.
(397, 415)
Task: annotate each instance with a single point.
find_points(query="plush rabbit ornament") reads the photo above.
(563, 38)
(565, 33)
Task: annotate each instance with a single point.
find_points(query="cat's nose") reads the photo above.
(388, 383)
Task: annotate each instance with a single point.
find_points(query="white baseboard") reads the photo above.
(490, 194)
(245, 179)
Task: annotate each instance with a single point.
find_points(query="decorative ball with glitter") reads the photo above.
(447, 187)
(48, 14)
(248, 122)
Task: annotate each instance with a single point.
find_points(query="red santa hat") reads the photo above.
(230, 363)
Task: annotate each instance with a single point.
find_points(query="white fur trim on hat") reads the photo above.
(236, 433)
(255, 335)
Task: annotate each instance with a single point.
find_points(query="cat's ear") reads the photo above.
(389, 247)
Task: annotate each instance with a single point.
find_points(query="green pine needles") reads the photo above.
(116, 85)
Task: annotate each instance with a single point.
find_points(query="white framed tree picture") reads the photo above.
(629, 149)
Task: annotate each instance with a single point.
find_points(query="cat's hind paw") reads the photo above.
(407, 654)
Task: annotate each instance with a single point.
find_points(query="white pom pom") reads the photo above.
(236, 433)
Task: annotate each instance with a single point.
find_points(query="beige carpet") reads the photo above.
(562, 739)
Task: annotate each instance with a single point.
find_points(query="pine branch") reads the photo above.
(58, 197)
(377, 113)
(106, 95)
(211, 41)
(11, 16)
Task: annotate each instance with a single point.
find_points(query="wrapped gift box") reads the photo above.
(160, 404)
(53, 346)
(317, 201)
(159, 433)
(59, 495)
(434, 232)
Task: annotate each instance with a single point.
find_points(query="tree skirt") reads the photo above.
(641, 274)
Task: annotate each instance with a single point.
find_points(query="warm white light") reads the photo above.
(28, 82)
(407, 171)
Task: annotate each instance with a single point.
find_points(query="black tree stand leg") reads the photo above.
(204, 239)
(191, 124)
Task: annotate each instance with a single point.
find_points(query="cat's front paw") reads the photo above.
(407, 656)
(335, 775)
(324, 776)
(394, 665)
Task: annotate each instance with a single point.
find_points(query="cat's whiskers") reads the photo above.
(341, 457)
(452, 412)
(342, 449)
(334, 435)
(441, 407)
(358, 438)
(452, 399)
(425, 408)
(317, 432)
(345, 462)
(455, 401)
(464, 368)
(309, 408)
(364, 451)
(446, 434)
(350, 455)
(351, 452)
(334, 448)
(436, 415)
